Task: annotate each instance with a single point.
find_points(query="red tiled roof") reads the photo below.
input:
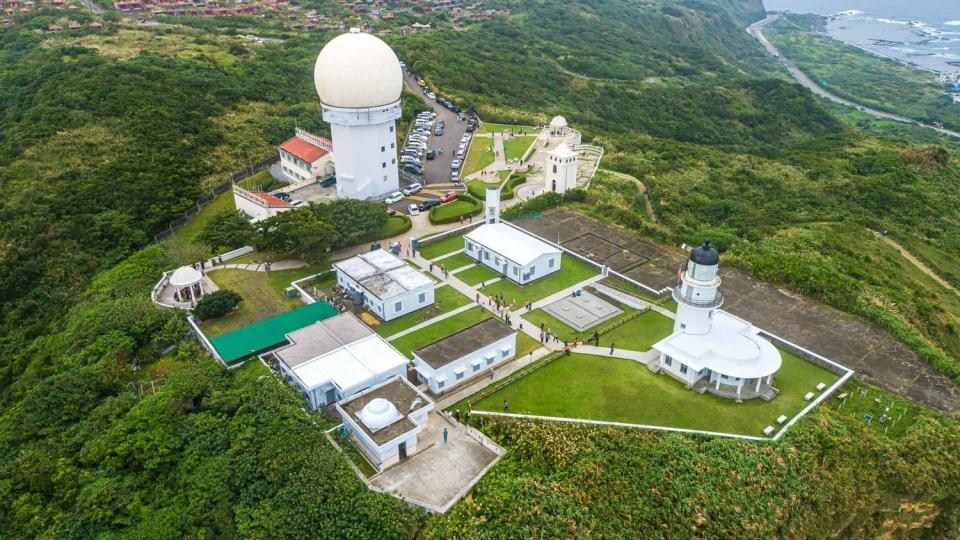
(270, 201)
(303, 149)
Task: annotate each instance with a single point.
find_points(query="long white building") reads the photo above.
(513, 253)
(710, 349)
(457, 358)
(359, 80)
(385, 284)
(335, 358)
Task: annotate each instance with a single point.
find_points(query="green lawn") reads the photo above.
(613, 389)
(515, 148)
(442, 247)
(396, 225)
(479, 155)
(262, 181)
(448, 213)
(455, 261)
(626, 286)
(572, 271)
(638, 334)
(477, 274)
(447, 299)
(192, 228)
(526, 344)
(262, 294)
(414, 340)
(489, 127)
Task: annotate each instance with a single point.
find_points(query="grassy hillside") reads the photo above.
(105, 138)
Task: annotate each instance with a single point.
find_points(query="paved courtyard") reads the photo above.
(440, 475)
(583, 311)
(873, 353)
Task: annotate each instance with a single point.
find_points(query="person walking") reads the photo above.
(446, 273)
(445, 435)
(612, 345)
(506, 405)
(478, 298)
(431, 267)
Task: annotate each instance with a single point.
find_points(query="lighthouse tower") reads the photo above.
(698, 292)
(359, 80)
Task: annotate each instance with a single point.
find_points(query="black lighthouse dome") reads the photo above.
(705, 255)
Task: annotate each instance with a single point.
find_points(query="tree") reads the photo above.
(228, 229)
(216, 304)
(353, 220)
(299, 231)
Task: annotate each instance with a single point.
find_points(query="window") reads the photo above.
(554, 169)
(486, 255)
(668, 361)
(391, 129)
(423, 297)
(383, 165)
(516, 271)
(489, 361)
(398, 306)
(496, 261)
(393, 161)
(476, 367)
(683, 369)
(383, 148)
(440, 384)
(550, 263)
(683, 326)
(503, 354)
(384, 178)
(459, 375)
(469, 246)
(393, 145)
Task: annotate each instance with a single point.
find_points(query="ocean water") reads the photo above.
(921, 32)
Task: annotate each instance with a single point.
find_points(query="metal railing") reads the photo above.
(716, 301)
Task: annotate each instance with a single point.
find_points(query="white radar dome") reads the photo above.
(357, 71)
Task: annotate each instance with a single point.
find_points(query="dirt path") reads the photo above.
(643, 189)
(915, 261)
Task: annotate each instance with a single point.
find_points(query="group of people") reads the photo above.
(443, 270)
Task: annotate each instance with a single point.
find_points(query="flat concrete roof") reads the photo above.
(322, 337)
(460, 344)
(397, 391)
(383, 274)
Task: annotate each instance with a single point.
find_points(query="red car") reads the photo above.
(450, 196)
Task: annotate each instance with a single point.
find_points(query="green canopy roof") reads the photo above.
(268, 333)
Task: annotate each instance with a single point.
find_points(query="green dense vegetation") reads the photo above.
(849, 72)
(106, 138)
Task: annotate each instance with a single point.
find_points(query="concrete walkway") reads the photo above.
(428, 322)
(286, 264)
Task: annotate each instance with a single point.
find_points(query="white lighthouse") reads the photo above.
(698, 292)
(711, 350)
(359, 80)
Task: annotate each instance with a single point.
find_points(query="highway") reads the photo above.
(756, 30)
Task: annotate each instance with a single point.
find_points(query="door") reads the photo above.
(331, 396)
(403, 450)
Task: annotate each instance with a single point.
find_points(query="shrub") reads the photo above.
(228, 229)
(216, 304)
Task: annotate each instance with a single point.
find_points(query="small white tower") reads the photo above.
(359, 80)
(491, 209)
(698, 291)
(561, 169)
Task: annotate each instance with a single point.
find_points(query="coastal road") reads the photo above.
(756, 30)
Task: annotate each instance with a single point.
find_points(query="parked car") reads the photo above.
(431, 154)
(428, 204)
(441, 123)
(391, 211)
(297, 202)
(455, 176)
(450, 196)
(329, 181)
(438, 132)
(394, 197)
(413, 169)
(456, 164)
(431, 95)
(411, 189)
(281, 195)
(413, 210)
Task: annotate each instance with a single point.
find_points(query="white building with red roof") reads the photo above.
(258, 205)
(306, 156)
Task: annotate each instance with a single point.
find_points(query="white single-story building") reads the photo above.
(561, 167)
(306, 156)
(258, 205)
(385, 284)
(386, 419)
(465, 354)
(511, 252)
(335, 358)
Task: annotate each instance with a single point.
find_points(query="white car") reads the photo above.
(431, 95)
(456, 164)
(414, 210)
(296, 203)
(394, 197)
(411, 189)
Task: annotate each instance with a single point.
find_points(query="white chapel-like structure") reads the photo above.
(359, 80)
(561, 167)
(711, 350)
